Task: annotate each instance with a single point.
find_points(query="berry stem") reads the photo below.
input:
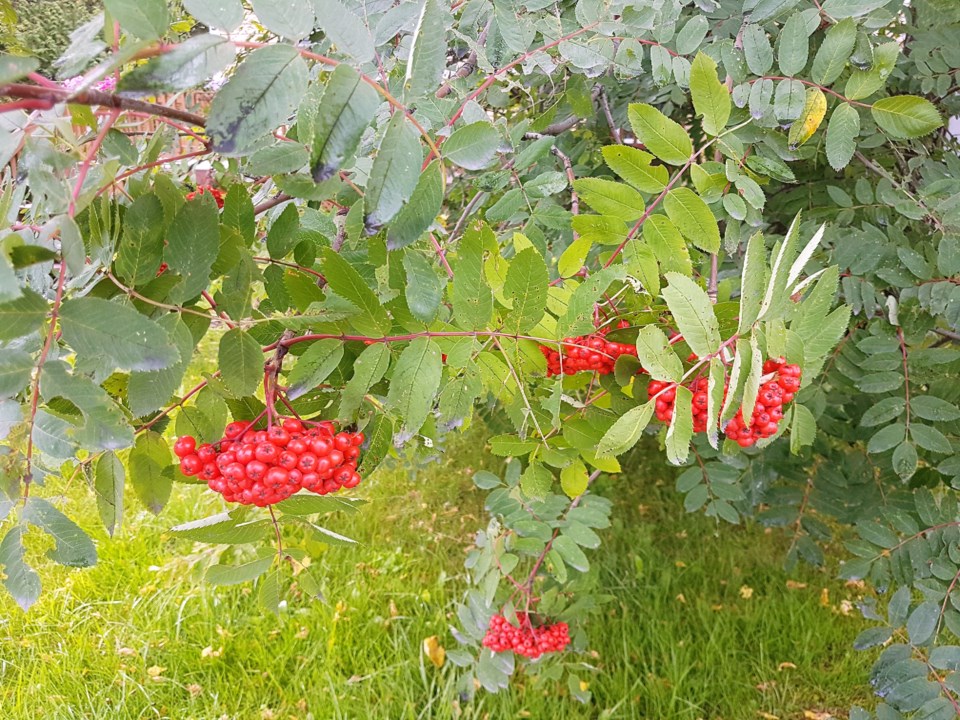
(166, 411)
(271, 371)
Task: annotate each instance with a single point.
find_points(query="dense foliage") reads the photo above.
(730, 225)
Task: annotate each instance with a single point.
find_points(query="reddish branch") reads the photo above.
(156, 163)
(810, 83)
(58, 299)
(546, 549)
(652, 206)
(96, 97)
(277, 199)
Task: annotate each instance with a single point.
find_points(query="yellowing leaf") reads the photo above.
(434, 651)
(574, 479)
(814, 110)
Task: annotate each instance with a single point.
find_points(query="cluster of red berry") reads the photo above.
(263, 467)
(525, 640)
(586, 352)
(664, 405)
(208, 190)
(767, 412)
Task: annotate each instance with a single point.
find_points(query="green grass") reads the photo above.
(140, 636)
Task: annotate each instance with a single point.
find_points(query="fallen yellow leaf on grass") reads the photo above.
(825, 597)
(816, 715)
(767, 716)
(786, 666)
(746, 592)
(794, 585)
(155, 671)
(434, 650)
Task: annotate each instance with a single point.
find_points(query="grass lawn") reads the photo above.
(706, 624)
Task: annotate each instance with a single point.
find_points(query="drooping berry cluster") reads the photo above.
(208, 190)
(586, 352)
(263, 467)
(526, 640)
(664, 405)
(767, 412)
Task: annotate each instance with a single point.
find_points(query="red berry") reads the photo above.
(287, 460)
(278, 436)
(235, 471)
(184, 446)
(321, 446)
(207, 452)
(256, 470)
(292, 425)
(276, 476)
(235, 430)
(307, 462)
(267, 453)
(190, 465)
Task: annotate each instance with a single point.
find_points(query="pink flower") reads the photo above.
(108, 84)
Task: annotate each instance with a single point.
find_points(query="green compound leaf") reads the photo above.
(711, 99)
(117, 333)
(414, 385)
(261, 95)
(694, 314)
(693, 218)
(906, 116)
(345, 111)
(662, 136)
(241, 362)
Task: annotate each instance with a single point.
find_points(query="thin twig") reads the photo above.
(58, 299)
(605, 106)
(476, 200)
(468, 66)
(277, 199)
(442, 255)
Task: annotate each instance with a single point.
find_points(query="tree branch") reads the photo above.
(95, 97)
(469, 65)
(608, 114)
